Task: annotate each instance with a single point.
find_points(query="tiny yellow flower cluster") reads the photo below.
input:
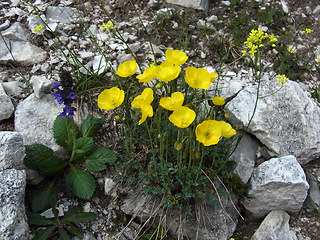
(38, 28)
(307, 31)
(258, 39)
(282, 79)
(109, 25)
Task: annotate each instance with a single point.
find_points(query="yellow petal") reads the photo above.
(148, 75)
(213, 75)
(127, 69)
(173, 102)
(176, 56)
(110, 98)
(227, 130)
(198, 77)
(182, 117)
(168, 71)
(218, 101)
(146, 111)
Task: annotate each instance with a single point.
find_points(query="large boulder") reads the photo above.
(218, 222)
(11, 150)
(275, 226)
(13, 224)
(286, 122)
(277, 184)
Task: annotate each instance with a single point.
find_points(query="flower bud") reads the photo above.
(117, 118)
(226, 116)
(159, 85)
(178, 145)
(197, 154)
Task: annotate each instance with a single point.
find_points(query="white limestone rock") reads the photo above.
(13, 224)
(14, 88)
(286, 122)
(275, 227)
(245, 157)
(196, 4)
(11, 150)
(16, 32)
(277, 184)
(23, 52)
(34, 119)
(40, 85)
(6, 106)
(99, 64)
(63, 14)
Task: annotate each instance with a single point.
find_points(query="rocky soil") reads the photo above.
(211, 38)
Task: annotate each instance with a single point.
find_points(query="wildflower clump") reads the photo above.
(307, 31)
(108, 26)
(258, 39)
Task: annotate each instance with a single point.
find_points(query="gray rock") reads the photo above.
(245, 157)
(13, 223)
(99, 64)
(15, 32)
(11, 150)
(63, 14)
(5, 25)
(196, 4)
(34, 119)
(216, 223)
(40, 85)
(23, 52)
(6, 106)
(286, 122)
(275, 227)
(14, 88)
(109, 185)
(313, 199)
(277, 184)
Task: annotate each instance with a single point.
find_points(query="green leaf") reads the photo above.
(81, 183)
(44, 198)
(76, 215)
(45, 233)
(91, 126)
(73, 230)
(63, 235)
(41, 159)
(99, 157)
(65, 132)
(83, 147)
(37, 219)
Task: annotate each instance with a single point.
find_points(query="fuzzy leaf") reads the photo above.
(91, 126)
(41, 159)
(37, 219)
(83, 147)
(99, 157)
(81, 183)
(44, 198)
(45, 233)
(63, 235)
(76, 215)
(64, 132)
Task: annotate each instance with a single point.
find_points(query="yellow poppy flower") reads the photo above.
(198, 77)
(111, 98)
(148, 74)
(209, 131)
(182, 117)
(218, 101)
(213, 75)
(127, 69)
(143, 102)
(176, 56)
(168, 71)
(226, 129)
(173, 102)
